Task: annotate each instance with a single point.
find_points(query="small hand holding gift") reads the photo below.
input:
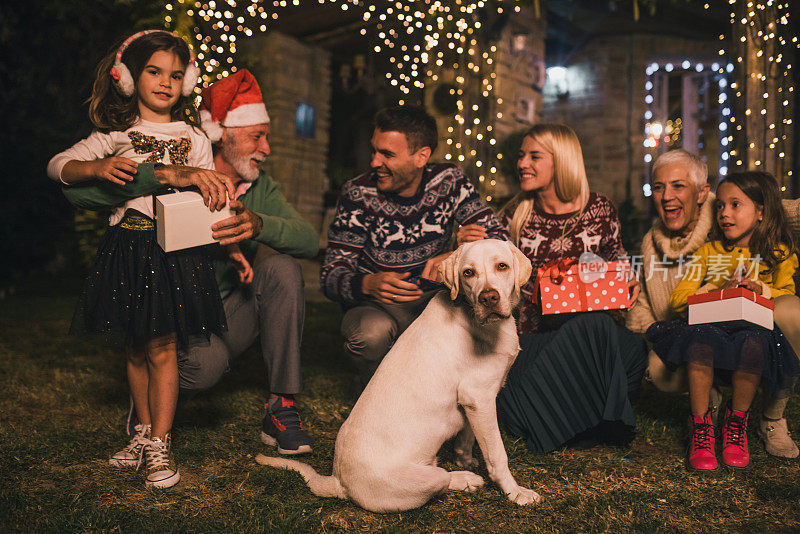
(737, 303)
(739, 279)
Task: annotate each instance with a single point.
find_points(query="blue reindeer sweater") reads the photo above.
(374, 232)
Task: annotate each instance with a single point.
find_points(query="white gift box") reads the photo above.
(734, 307)
(183, 221)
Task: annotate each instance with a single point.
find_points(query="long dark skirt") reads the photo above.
(136, 293)
(573, 381)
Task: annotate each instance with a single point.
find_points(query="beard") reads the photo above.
(399, 180)
(240, 163)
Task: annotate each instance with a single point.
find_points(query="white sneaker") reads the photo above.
(130, 455)
(161, 469)
(776, 438)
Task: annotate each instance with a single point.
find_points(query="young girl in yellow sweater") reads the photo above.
(755, 251)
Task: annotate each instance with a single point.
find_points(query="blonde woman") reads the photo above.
(573, 378)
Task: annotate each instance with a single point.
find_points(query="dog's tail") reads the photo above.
(320, 485)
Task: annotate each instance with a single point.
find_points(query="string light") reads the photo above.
(426, 41)
(660, 130)
(756, 86)
(762, 38)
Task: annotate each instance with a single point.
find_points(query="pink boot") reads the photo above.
(701, 456)
(734, 439)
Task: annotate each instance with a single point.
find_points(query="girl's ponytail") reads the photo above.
(109, 110)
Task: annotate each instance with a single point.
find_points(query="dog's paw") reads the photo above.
(466, 462)
(524, 496)
(465, 481)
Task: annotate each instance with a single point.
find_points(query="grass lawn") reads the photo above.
(63, 403)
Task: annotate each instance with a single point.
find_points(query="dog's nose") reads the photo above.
(489, 298)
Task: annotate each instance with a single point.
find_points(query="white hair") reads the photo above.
(696, 167)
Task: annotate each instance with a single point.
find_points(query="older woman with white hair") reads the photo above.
(686, 210)
(685, 206)
(574, 376)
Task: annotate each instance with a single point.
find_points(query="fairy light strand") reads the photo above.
(755, 96)
(761, 45)
(423, 40)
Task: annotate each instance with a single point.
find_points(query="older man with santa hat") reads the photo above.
(271, 308)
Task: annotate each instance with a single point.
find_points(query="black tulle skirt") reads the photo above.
(136, 293)
(752, 350)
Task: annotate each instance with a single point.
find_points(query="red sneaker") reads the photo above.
(734, 439)
(700, 456)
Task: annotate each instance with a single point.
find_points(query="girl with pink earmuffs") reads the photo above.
(152, 301)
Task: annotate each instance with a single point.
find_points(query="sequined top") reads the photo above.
(169, 143)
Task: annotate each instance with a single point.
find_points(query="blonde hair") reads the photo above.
(569, 173)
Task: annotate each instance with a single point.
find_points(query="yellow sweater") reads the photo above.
(712, 266)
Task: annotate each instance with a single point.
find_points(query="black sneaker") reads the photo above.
(282, 427)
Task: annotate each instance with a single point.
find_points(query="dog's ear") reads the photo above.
(522, 266)
(449, 271)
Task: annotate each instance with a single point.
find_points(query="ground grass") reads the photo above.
(63, 402)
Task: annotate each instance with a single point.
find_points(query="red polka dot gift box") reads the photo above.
(732, 307)
(570, 285)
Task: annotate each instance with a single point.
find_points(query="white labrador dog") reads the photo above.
(440, 379)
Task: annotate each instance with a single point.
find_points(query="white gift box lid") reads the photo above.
(184, 221)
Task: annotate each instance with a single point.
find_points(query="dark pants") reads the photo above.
(370, 329)
(272, 308)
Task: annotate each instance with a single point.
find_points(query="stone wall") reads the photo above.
(605, 105)
(291, 72)
(520, 58)
(514, 103)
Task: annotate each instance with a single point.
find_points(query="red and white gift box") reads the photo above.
(569, 286)
(735, 307)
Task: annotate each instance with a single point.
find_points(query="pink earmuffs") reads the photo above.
(124, 80)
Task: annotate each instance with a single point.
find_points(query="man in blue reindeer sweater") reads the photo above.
(392, 227)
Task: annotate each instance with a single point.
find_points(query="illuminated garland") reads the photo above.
(425, 42)
(657, 130)
(763, 29)
(759, 27)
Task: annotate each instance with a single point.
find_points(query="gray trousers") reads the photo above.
(272, 308)
(371, 328)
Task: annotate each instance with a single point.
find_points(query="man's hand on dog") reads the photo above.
(431, 270)
(390, 287)
(469, 233)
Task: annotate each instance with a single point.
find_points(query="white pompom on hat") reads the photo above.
(124, 80)
(234, 101)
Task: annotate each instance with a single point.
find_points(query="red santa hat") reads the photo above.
(233, 101)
